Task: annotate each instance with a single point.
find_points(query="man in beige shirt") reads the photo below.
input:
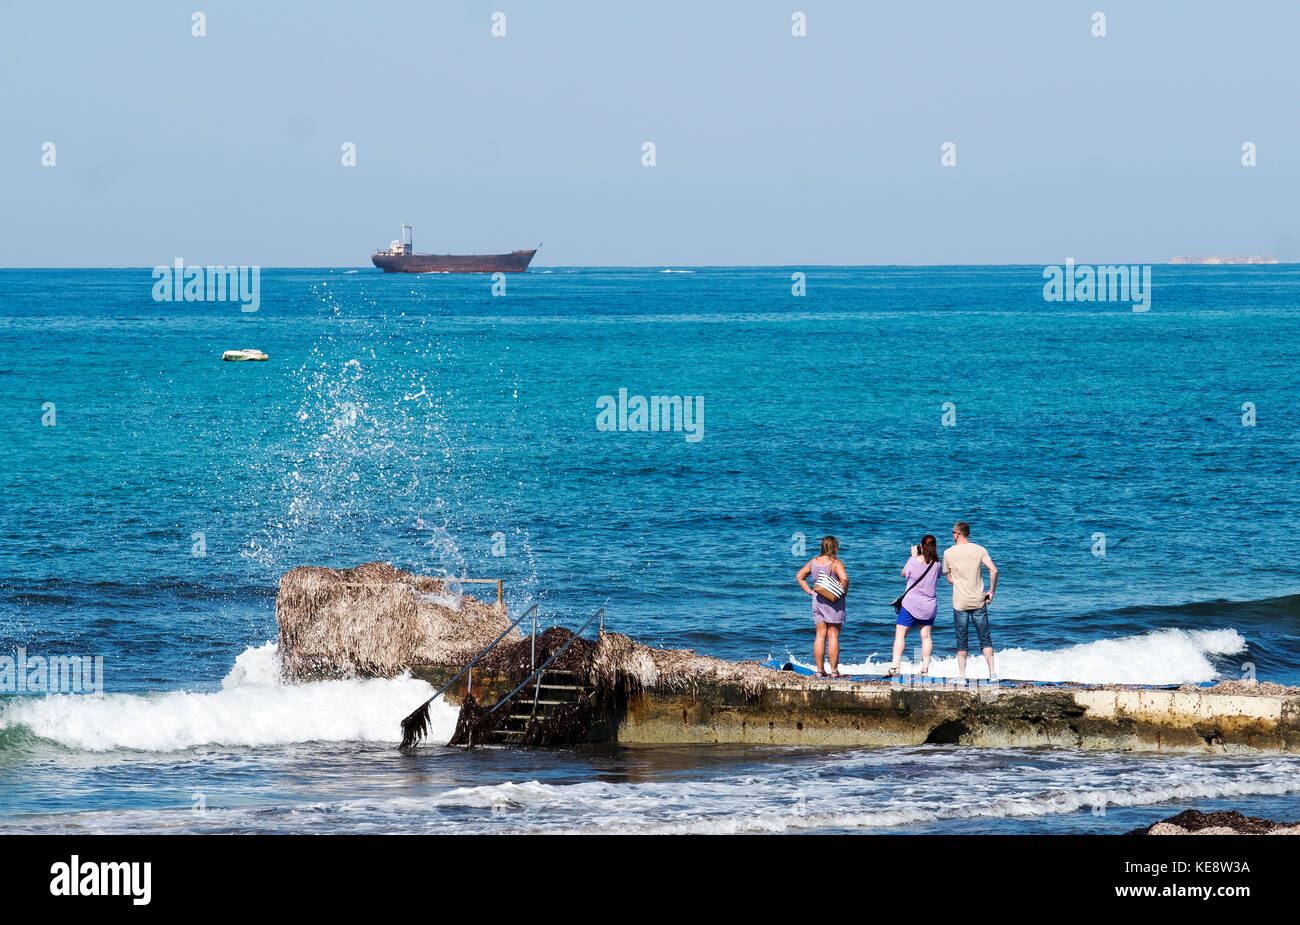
(970, 603)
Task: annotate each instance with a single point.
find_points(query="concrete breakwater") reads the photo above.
(791, 710)
(375, 620)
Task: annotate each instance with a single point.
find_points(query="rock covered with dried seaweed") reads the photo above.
(375, 620)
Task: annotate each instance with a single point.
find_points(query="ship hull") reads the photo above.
(454, 263)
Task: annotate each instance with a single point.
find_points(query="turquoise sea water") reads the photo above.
(421, 420)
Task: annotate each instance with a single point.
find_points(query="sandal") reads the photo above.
(819, 676)
(836, 675)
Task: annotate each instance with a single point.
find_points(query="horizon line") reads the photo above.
(1273, 261)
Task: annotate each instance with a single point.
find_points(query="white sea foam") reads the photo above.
(1168, 656)
(910, 788)
(914, 787)
(879, 789)
(252, 708)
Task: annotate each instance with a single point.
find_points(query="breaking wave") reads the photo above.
(1168, 656)
(252, 709)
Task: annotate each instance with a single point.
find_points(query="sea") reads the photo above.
(1132, 473)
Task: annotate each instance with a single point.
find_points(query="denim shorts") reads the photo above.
(906, 619)
(961, 620)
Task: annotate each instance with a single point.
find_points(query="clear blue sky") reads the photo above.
(771, 149)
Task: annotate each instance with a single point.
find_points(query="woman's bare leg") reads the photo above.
(900, 640)
(819, 648)
(927, 646)
(833, 646)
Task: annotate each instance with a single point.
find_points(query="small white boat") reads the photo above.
(238, 355)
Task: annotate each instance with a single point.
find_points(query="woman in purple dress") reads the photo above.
(828, 615)
(919, 605)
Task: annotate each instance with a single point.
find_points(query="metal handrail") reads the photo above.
(476, 658)
(532, 654)
(538, 673)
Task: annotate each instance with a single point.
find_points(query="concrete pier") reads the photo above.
(795, 710)
(377, 621)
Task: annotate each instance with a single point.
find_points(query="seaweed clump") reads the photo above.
(565, 724)
(375, 620)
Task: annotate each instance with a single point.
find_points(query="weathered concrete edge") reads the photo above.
(796, 711)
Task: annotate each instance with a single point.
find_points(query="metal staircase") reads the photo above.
(552, 690)
(555, 689)
(564, 688)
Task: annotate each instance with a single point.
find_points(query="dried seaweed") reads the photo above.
(511, 658)
(569, 724)
(377, 621)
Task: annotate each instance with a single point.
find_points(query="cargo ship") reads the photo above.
(401, 258)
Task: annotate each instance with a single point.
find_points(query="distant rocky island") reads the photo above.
(1226, 259)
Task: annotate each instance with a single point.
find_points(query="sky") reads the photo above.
(770, 148)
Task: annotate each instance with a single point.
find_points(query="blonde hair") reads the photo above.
(830, 546)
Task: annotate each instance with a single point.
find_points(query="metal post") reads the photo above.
(602, 621)
(500, 592)
(532, 659)
(469, 683)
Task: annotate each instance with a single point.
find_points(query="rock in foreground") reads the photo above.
(1192, 822)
